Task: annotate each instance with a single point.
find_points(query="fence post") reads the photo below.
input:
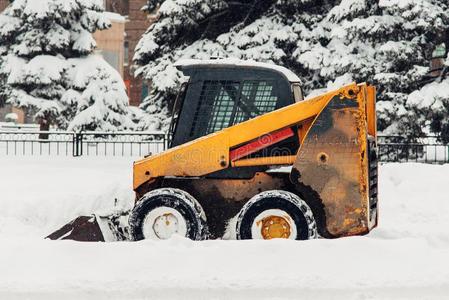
(166, 141)
(77, 144)
(74, 145)
(80, 142)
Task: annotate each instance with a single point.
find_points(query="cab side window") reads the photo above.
(224, 103)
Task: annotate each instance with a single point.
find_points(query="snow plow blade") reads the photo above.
(94, 228)
(83, 229)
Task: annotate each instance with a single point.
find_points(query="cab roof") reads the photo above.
(185, 64)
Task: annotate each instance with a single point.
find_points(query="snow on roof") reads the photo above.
(292, 77)
(12, 116)
(114, 17)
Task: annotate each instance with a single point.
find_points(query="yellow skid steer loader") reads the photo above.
(249, 158)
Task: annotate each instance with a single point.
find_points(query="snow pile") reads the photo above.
(40, 195)
(413, 203)
(406, 257)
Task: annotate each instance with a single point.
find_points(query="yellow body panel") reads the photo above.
(211, 153)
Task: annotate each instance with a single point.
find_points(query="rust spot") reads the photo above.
(323, 157)
(340, 182)
(348, 222)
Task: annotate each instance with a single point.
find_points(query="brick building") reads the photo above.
(110, 42)
(439, 55)
(3, 4)
(137, 23)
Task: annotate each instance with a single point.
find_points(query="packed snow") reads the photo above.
(406, 257)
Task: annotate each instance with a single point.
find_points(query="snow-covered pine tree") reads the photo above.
(429, 106)
(387, 42)
(181, 24)
(97, 96)
(327, 43)
(49, 66)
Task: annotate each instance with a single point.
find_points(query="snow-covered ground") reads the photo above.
(406, 257)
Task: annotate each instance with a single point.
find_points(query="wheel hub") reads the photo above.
(165, 226)
(275, 227)
(160, 221)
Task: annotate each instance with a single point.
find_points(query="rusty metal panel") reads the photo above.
(332, 162)
(371, 110)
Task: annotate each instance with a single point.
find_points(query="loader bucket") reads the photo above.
(82, 229)
(94, 228)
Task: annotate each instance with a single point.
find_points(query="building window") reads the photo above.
(126, 53)
(437, 61)
(112, 58)
(145, 90)
(439, 51)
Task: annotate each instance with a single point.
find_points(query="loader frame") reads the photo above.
(331, 169)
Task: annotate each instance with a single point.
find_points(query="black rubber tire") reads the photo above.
(297, 208)
(177, 199)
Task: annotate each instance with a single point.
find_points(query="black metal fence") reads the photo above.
(81, 143)
(426, 149)
(33, 142)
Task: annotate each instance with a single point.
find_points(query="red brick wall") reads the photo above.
(3, 4)
(137, 25)
(117, 6)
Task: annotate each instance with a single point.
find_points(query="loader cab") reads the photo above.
(220, 93)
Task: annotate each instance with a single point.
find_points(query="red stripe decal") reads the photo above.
(261, 143)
